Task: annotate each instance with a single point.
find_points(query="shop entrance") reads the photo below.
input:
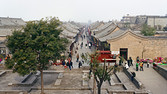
(124, 53)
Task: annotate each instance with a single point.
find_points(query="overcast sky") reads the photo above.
(81, 10)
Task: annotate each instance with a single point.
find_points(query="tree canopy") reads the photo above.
(32, 47)
(147, 30)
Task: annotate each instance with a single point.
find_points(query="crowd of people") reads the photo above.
(139, 64)
(130, 62)
(78, 55)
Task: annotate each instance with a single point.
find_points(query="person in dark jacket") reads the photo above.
(68, 64)
(80, 64)
(133, 75)
(63, 62)
(77, 57)
(137, 59)
(131, 61)
(71, 64)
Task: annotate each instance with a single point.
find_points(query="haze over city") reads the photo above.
(95, 47)
(81, 10)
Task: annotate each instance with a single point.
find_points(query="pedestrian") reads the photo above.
(71, 64)
(89, 45)
(69, 55)
(137, 65)
(68, 64)
(131, 61)
(141, 66)
(69, 59)
(77, 48)
(86, 45)
(63, 62)
(81, 45)
(148, 63)
(80, 64)
(0, 59)
(137, 59)
(82, 37)
(120, 61)
(77, 57)
(117, 59)
(133, 75)
(115, 67)
(126, 66)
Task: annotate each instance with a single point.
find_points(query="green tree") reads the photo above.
(101, 72)
(147, 30)
(32, 49)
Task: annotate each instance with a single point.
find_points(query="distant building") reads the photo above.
(136, 22)
(158, 22)
(7, 26)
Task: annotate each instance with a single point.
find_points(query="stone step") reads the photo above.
(58, 81)
(60, 75)
(38, 73)
(84, 82)
(112, 81)
(25, 78)
(2, 73)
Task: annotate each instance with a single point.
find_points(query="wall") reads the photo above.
(138, 46)
(161, 71)
(2, 38)
(12, 92)
(162, 21)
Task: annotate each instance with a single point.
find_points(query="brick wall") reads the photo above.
(138, 46)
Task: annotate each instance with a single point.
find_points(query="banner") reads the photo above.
(115, 52)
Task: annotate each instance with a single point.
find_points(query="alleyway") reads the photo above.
(84, 49)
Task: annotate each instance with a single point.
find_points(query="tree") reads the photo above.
(148, 31)
(32, 49)
(101, 72)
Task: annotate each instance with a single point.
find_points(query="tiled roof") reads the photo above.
(138, 35)
(6, 21)
(112, 35)
(102, 28)
(105, 31)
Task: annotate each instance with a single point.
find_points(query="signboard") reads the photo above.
(115, 52)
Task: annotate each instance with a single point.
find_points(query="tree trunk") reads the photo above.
(42, 86)
(99, 89)
(94, 85)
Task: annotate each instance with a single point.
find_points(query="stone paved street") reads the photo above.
(152, 81)
(84, 49)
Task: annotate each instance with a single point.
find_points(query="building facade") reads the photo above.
(158, 22)
(132, 45)
(136, 22)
